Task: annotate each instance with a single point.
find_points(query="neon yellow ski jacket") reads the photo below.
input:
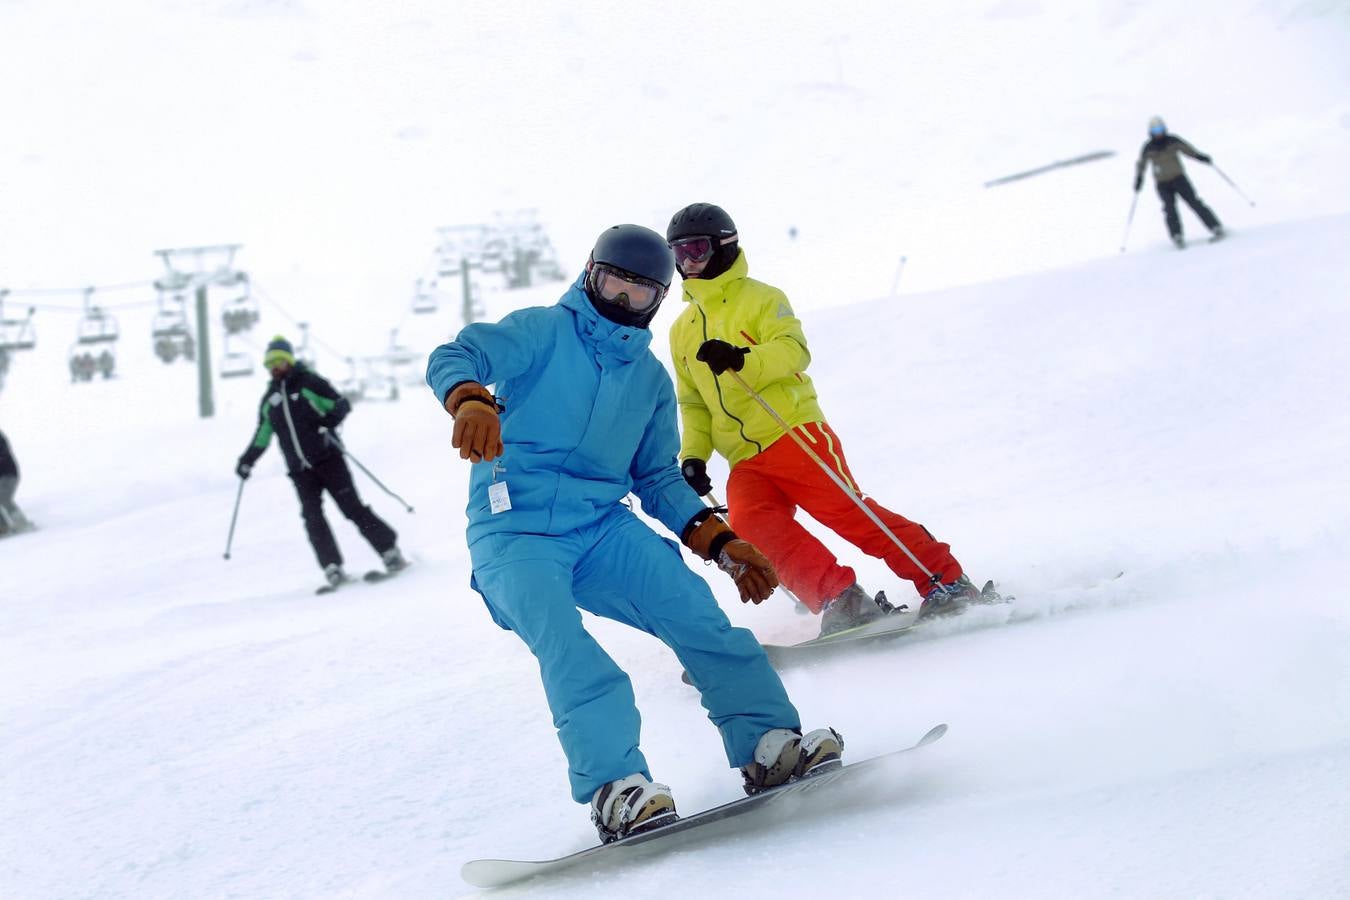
(716, 413)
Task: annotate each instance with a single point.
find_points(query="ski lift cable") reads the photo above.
(80, 291)
(79, 310)
(267, 298)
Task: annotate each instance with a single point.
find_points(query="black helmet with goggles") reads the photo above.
(703, 233)
(628, 274)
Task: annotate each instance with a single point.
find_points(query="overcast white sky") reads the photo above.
(330, 138)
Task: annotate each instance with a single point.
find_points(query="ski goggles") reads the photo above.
(619, 288)
(692, 249)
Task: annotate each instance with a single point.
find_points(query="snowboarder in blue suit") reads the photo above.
(584, 414)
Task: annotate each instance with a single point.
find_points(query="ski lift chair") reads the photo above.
(351, 386)
(424, 301)
(83, 366)
(242, 312)
(168, 322)
(96, 327)
(236, 364)
(169, 345)
(17, 334)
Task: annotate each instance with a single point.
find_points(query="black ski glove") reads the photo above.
(720, 356)
(1138, 183)
(695, 471)
(243, 468)
(1204, 159)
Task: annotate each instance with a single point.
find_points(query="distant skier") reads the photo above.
(12, 519)
(585, 414)
(771, 476)
(304, 411)
(1164, 151)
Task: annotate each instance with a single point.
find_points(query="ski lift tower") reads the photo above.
(199, 268)
(460, 252)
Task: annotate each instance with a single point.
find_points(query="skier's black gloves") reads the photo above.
(720, 356)
(243, 469)
(1204, 159)
(1138, 184)
(695, 471)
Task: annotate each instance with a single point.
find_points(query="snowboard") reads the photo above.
(490, 873)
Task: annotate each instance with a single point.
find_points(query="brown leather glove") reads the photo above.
(478, 428)
(713, 539)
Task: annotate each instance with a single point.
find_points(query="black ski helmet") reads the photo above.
(636, 251)
(710, 221)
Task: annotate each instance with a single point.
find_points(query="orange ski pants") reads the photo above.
(764, 492)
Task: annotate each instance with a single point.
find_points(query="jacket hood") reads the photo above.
(612, 342)
(700, 289)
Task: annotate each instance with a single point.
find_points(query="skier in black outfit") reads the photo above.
(1164, 151)
(304, 411)
(12, 519)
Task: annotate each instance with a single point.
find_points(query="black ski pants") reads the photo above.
(1180, 186)
(334, 476)
(12, 518)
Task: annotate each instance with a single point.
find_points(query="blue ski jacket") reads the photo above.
(589, 417)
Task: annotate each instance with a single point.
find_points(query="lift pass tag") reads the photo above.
(498, 497)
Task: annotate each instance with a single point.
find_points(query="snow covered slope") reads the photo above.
(178, 725)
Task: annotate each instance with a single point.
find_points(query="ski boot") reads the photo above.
(1179, 241)
(851, 609)
(631, 806)
(393, 560)
(333, 574)
(946, 599)
(1216, 234)
(782, 755)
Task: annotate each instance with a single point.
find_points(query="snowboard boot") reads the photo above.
(393, 560)
(334, 575)
(631, 806)
(851, 609)
(782, 755)
(946, 599)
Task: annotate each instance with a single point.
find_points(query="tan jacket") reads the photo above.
(1164, 153)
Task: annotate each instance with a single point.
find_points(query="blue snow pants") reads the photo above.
(619, 568)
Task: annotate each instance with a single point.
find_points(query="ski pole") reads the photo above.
(334, 438)
(229, 541)
(839, 482)
(1233, 186)
(1126, 236)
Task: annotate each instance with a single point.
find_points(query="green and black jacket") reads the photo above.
(295, 408)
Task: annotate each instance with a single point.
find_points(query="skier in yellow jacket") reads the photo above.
(734, 323)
